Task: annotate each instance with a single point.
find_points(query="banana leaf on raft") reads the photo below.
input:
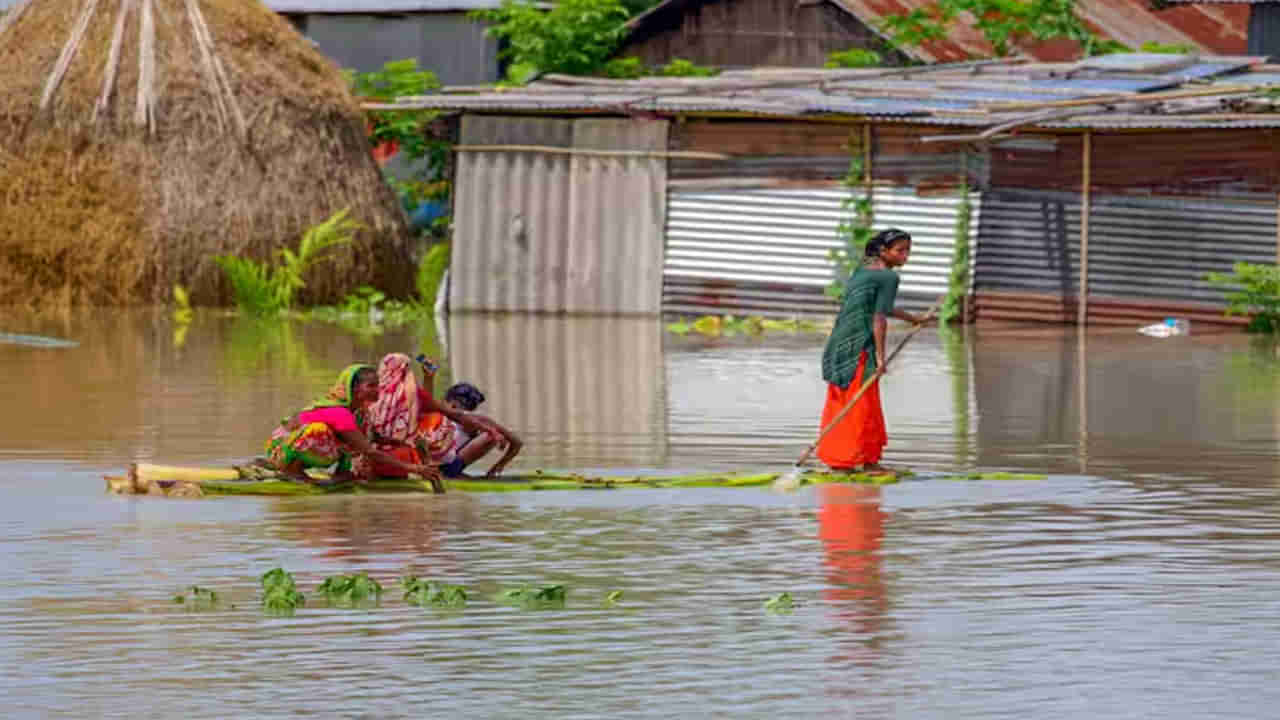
(194, 482)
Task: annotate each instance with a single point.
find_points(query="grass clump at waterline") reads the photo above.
(749, 326)
(242, 142)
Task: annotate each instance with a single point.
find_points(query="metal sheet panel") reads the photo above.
(547, 232)
(766, 251)
(617, 215)
(454, 47)
(580, 391)
(1149, 250)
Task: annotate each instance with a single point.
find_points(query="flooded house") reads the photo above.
(1099, 191)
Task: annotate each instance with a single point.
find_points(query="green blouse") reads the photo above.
(869, 292)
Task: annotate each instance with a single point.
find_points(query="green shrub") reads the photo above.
(853, 58)
(264, 289)
(679, 67)
(1253, 289)
(626, 68)
(854, 231)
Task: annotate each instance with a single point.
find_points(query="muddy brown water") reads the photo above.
(1139, 580)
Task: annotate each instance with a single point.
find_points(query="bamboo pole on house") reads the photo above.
(1082, 303)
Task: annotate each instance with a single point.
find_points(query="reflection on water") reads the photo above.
(1138, 580)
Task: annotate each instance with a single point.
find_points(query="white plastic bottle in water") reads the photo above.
(1168, 328)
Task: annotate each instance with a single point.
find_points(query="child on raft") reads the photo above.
(331, 431)
(855, 349)
(408, 422)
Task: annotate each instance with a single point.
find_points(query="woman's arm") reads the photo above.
(513, 445)
(361, 444)
(879, 327)
(908, 317)
(470, 422)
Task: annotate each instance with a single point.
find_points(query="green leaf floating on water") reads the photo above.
(779, 604)
(612, 598)
(548, 597)
(357, 590)
(280, 594)
(428, 593)
(197, 598)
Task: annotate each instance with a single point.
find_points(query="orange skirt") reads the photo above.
(860, 437)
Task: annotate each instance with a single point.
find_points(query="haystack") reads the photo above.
(141, 138)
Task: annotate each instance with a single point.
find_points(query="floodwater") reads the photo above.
(1140, 579)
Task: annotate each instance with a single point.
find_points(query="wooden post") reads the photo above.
(1082, 399)
(866, 154)
(1082, 303)
(1278, 228)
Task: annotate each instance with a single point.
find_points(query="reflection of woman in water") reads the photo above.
(851, 527)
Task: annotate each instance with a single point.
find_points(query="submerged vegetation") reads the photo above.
(751, 325)
(197, 598)
(280, 595)
(429, 593)
(780, 604)
(548, 597)
(358, 590)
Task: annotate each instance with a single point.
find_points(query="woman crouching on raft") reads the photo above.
(856, 349)
(409, 423)
(332, 431)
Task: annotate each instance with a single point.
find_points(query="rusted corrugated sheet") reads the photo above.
(765, 251)
(593, 384)
(544, 232)
(1235, 162)
(1220, 29)
(776, 149)
(1147, 256)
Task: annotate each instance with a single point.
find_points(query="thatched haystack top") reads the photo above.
(196, 63)
(140, 139)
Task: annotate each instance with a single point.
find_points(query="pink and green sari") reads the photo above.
(315, 443)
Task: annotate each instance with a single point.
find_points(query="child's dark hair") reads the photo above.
(884, 239)
(464, 395)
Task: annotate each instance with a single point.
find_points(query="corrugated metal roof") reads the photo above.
(321, 7)
(1129, 22)
(1027, 95)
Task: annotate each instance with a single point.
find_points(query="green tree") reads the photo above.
(573, 37)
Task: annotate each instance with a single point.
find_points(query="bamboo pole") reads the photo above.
(1082, 304)
(113, 61)
(1082, 399)
(143, 112)
(684, 154)
(1278, 228)
(68, 54)
(867, 154)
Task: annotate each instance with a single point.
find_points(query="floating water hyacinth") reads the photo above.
(428, 593)
(197, 598)
(280, 594)
(780, 604)
(357, 590)
(549, 597)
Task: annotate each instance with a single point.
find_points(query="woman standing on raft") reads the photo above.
(332, 431)
(856, 349)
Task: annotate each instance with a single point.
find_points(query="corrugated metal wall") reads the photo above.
(580, 391)
(543, 232)
(765, 251)
(1147, 255)
(449, 44)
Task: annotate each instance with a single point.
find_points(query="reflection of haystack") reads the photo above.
(139, 138)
